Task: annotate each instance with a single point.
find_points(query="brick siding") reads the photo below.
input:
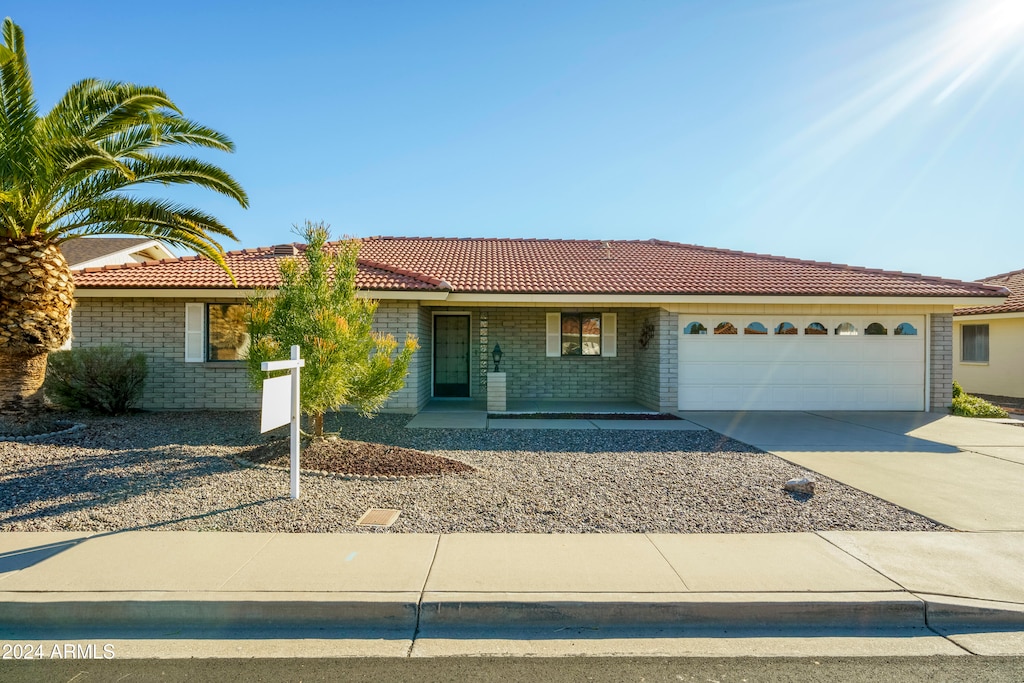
(530, 374)
(156, 327)
(941, 336)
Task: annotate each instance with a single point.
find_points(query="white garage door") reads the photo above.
(729, 362)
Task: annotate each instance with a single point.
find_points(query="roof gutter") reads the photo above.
(546, 299)
(666, 299)
(214, 293)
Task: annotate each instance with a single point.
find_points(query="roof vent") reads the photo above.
(286, 250)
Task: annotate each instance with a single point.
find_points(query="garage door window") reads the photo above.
(816, 329)
(974, 344)
(846, 330)
(876, 329)
(755, 328)
(785, 328)
(695, 328)
(725, 328)
(905, 329)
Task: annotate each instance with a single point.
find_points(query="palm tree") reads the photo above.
(64, 174)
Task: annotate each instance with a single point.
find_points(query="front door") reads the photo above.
(451, 355)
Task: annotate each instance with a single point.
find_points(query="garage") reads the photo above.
(733, 362)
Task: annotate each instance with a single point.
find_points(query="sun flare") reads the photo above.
(963, 52)
(982, 31)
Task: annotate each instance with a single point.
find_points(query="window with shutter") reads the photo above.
(195, 333)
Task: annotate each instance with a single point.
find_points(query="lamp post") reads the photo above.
(496, 354)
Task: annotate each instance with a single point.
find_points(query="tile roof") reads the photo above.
(1014, 303)
(528, 266)
(82, 249)
(252, 268)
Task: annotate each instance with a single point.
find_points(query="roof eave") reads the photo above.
(237, 293)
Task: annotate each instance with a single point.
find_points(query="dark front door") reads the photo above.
(451, 355)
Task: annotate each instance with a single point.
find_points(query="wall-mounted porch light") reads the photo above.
(496, 354)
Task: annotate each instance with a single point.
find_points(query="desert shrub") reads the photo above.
(972, 406)
(106, 379)
(958, 390)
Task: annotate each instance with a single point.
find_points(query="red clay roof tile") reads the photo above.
(1014, 303)
(529, 266)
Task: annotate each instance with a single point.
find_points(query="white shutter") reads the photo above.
(195, 334)
(609, 348)
(554, 335)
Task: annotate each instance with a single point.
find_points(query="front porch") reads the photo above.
(626, 365)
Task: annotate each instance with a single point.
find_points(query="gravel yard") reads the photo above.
(176, 471)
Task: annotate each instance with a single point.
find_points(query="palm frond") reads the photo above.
(65, 173)
(164, 130)
(165, 216)
(96, 109)
(17, 109)
(173, 170)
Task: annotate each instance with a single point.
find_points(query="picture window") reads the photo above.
(227, 332)
(581, 334)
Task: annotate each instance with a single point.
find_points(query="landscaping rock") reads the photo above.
(801, 485)
(177, 471)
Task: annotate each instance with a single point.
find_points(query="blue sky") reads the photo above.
(886, 134)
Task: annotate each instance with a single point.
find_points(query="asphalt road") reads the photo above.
(647, 670)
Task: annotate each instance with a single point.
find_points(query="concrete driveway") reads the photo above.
(966, 473)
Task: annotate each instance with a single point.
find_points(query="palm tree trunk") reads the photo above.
(21, 383)
(36, 296)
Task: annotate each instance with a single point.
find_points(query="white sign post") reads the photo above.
(278, 411)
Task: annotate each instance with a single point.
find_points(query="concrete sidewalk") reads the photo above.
(428, 594)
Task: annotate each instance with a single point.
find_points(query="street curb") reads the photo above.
(205, 610)
(488, 611)
(944, 611)
(696, 610)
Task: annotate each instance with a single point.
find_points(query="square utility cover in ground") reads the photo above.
(378, 517)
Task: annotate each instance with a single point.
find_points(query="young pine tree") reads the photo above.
(347, 363)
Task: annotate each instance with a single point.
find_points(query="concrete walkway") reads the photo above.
(479, 420)
(473, 414)
(223, 594)
(966, 473)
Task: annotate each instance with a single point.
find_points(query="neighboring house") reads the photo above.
(95, 252)
(670, 326)
(988, 342)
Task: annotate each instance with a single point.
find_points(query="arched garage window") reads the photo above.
(725, 328)
(785, 328)
(695, 328)
(905, 329)
(846, 330)
(755, 328)
(816, 329)
(876, 329)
